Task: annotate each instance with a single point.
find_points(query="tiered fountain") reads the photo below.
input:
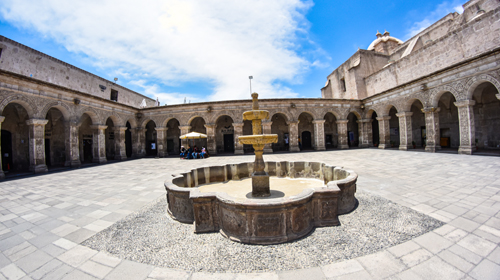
(224, 198)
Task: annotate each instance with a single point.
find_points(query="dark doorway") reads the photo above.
(87, 150)
(47, 152)
(128, 141)
(228, 143)
(306, 140)
(6, 150)
(375, 130)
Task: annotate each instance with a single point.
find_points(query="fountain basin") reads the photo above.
(262, 220)
(255, 115)
(260, 139)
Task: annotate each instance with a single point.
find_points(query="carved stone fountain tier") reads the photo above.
(260, 179)
(257, 220)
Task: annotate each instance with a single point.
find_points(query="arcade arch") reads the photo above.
(394, 127)
(352, 130)
(280, 127)
(486, 116)
(331, 131)
(224, 134)
(173, 134)
(198, 125)
(15, 139)
(418, 131)
(306, 131)
(151, 143)
(86, 139)
(449, 129)
(55, 138)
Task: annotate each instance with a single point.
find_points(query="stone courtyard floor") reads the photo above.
(44, 219)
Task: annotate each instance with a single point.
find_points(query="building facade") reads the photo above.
(438, 89)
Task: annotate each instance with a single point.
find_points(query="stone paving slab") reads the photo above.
(44, 218)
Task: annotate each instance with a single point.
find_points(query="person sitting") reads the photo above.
(195, 152)
(189, 152)
(183, 152)
(203, 152)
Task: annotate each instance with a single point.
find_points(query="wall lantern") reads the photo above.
(76, 101)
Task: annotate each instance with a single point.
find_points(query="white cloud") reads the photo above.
(441, 10)
(177, 41)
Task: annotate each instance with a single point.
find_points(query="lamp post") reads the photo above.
(250, 78)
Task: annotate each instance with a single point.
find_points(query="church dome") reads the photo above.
(383, 38)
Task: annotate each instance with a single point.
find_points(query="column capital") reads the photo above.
(342, 121)
(431, 110)
(318, 121)
(161, 128)
(384, 118)
(2, 118)
(268, 123)
(465, 103)
(208, 125)
(37, 122)
(238, 124)
(98, 126)
(293, 122)
(404, 114)
(120, 128)
(184, 127)
(364, 121)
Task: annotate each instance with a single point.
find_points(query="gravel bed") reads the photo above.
(150, 236)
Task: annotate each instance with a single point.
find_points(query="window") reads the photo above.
(342, 84)
(114, 95)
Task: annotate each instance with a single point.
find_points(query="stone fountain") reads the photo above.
(220, 198)
(260, 178)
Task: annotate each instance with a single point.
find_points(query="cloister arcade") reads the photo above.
(62, 134)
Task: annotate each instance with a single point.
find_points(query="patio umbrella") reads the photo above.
(193, 135)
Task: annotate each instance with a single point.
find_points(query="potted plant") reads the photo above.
(414, 145)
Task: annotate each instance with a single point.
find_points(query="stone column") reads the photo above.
(293, 127)
(211, 145)
(161, 138)
(384, 132)
(238, 131)
(467, 128)
(342, 130)
(138, 146)
(99, 143)
(185, 130)
(365, 133)
(405, 135)
(120, 149)
(72, 145)
(266, 129)
(2, 175)
(319, 135)
(432, 132)
(37, 145)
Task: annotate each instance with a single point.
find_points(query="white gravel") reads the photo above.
(151, 236)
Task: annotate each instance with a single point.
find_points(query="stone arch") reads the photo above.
(165, 121)
(191, 118)
(355, 112)
(384, 110)
(146, 121)
(63, 107)
(436, 94)
(369, 113)
(288, 116)
(310, 112)
(131, 121)
(474, 82)
(92, 113)
(216, 115)
(117, 119)
(27, 104)
(333, 112)
(407, 104)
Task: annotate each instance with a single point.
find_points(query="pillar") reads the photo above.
(405, 135)
(2, 175)
(138, 142)
(384, 132)
(99, 143)
(365, 133)
(72, 145)
(120, 149)
(294, 136)
(266, 129)
(467, 128)
(342, 130)
(319, 135)
(37, 145)
(161, 141)
(185, 130)
(238, 131)
(432, 140)
(211, 145)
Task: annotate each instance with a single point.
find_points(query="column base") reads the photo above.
(41, 168)
(366, 145)
(320, 148)
(268, 151)
(384, 146)
(405, 147)
(466, 150)
(2, 175)
(73, 163)
(343, 147)
(294, 149)
(122, 157)
(240, 152)
(99, 160)
(430, 149)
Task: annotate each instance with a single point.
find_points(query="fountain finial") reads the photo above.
(255, 102)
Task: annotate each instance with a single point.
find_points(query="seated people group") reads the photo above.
(193, 153)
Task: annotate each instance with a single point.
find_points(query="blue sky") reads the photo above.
(205, 50)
